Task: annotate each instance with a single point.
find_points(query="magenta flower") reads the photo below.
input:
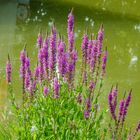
(23, 63)
(52, 57)
(127, 102)
(62, 59)
(88, 103)
(70, 22)
(100, 37)
(93, 57)
(41, 63)
(70, 31)
(39, 40)
(45, 90)
(91, 86)
(111, 105)
(71, 41)
(8, 70)
(89, 51)
(46, 54)
(121, 109)
(23, 67)
(32, 87)
(79, 98)
(86, 114)
(56, 88)
(27, 80)
(104, 61)
(36, 72)
(84, 47)
(138, 127)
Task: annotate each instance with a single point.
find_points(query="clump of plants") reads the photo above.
(60, 98)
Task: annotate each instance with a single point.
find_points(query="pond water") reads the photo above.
(122, 36)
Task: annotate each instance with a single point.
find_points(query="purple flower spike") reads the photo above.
(100, 34)
(23, 63)
(111, 107)
(79, 98)
(127, 102)
(39, 40)
(100, 37)
(93, 57)
(56, 87)
(104, 61)
(138, 127)
(121, 109)
(52, 57)
(74, 56)
(41, 62)
(27, 79)
(89, 51)
(46, 53)
(91, 86)
(71, 41)
(8, 70)
(45, 90)
(32, 87)
(86, 114)
(36, 73)
(87, 108)
(88, 103)
(23, 67)
(70, 22)
(84, 47)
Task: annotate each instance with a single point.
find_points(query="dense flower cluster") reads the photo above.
(56, 68)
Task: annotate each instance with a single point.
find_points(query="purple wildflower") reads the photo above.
(39, 40)
(27, 73)
(89, 51)
(32, 87)
(104, 60)
(46, 54)
(36, 72)
(23, 67)
(56, 88)
(79, 98)
(100, 37)
(88, 103)
(70, 22)
(71, 41)
(8, 70)
(87, 108)
(23, 61)
(40, 61)
(93, 57)
(27, 79)
(91, 86)
(84, 47)
(52, 57)
(45, 90)
(138, 127)
(111, 107)
(62, 59)
(74, 56)
(127, 102)
(86, 114)
(114, 96)
(121, 109)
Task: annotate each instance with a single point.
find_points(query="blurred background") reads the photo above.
(20, 21)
